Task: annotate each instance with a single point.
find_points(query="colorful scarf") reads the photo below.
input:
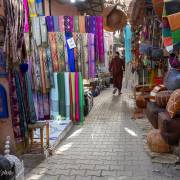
(71, 60)
(36, 30)
(26, 19)
(87, 24)
(77, 116)
(56, 23)
(39, 7)
(61, 91)
(91, 55)
(54, 96)
(76, 24)
(54, 55)
(82, 28)
(32, 8)
(43, 27)
(61, 24)
(61, 44)
(67, 95)
(92, 24)
(69, 23)
(50, 23)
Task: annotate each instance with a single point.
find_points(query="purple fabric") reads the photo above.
(91, 55)
(69, 23)
(174, 62)
(100, 39)
(50, 23)
(92, 24)
(40, 106)
(87, 24)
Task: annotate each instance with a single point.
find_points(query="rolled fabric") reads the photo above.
(82, 28)
(54, 55)
(50, 23)
(56, 23)
(67, 95)
(81, 98)
(61, 91)
(54, 99)
(61, 24)
(61, 50)
(36, 30)
(77, 97)
(32, 8)
(71, 60)
(26, 19)
(44, 35)
(39, 7)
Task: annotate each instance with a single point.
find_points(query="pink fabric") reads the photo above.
(77, 96)
(61, 24)
(26, 21)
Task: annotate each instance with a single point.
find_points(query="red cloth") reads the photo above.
(116, 67)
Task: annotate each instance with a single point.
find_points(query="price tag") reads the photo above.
(71, 43)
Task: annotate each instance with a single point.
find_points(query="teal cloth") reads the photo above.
(166, 32)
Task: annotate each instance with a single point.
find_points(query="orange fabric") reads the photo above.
(82, 28)
(158, 7)
(174, 21)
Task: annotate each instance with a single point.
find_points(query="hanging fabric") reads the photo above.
(82, 24)
(50, 23)
(54, 96)
(71, 60)
(54, 55)
(77, 115)
(36, 30)
(39, 7)
(69, 23)
(61, 24)
(73, 100)
(26, 19)
(44, 38)
(67, 95)
(4, 103)
(46, 106)
(32, 8)
(76, 24)
(56, 23)
(61, 91)
(40, 106)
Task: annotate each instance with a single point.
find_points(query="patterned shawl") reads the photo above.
(56, 23)
(82, 24)
(32, 8)
(61, 24)
(43, 26)
(69, 23)
(50, 23)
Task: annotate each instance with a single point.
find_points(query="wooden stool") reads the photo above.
(41, 126)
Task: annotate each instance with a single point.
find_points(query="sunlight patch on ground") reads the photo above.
(131, 132)
(76, 133)
(64, 147)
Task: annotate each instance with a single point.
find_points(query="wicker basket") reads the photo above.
(156, 143)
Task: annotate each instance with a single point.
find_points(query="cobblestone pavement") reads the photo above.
(107, 147)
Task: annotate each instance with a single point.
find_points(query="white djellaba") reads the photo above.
(19, 166)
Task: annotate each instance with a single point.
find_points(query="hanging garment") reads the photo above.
(31, 107)
(81, 98)
(77, 116)
(44, 38)
(61, 50)
(85, 70)
(100, 38)
(56, 23)
(39, 7)
(54, 55)
(3, 103)
(46, 106)
(61, 91)
(69, 23)
(32, 8)
(127, 38)
(92, 24)
(35, 99)
(67, 95)
(50, 23)
(61, 24)
(73, 100)
(76, 24)
(91, 55)
(36, 30)
(50, 66)
(71, 60)
(75, 51)
(15, 111)
(54, 96)
(26, 19)
(43, 75)
(87, 24)
(82, 24)
(40, 106)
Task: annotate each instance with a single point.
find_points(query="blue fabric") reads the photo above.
(127, 39)
(56, 23)
(71, 59)
(3, 102)
(67, 95)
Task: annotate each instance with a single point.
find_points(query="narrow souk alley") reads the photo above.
(108, 146)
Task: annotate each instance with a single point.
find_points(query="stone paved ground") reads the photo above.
(107, 147)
